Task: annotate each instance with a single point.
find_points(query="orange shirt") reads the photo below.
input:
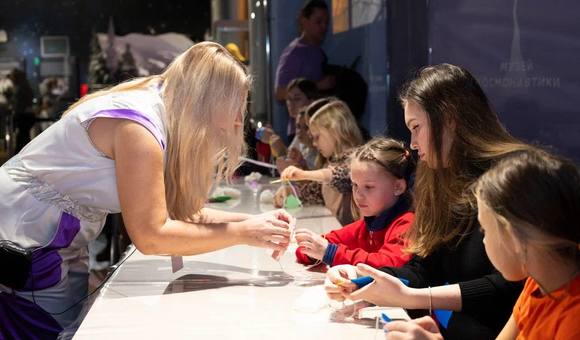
(556, 316)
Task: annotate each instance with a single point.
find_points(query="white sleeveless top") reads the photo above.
(61, 173)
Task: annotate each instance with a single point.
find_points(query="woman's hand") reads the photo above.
(337, 283)
(423, 328)
(268, 230)
(293, 173)
(385, 290)
(312, 243)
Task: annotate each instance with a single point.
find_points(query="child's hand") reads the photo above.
(337, 284)
(283, 163)
(296, 156)
(292, 173)
(267, 134)
(280, 196)
(312, 244)
(385, 290)
(423, 328)
(277, 146)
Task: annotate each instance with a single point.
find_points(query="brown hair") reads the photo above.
(537, 195)
(444, 207)
(391, 155)
(305, 86)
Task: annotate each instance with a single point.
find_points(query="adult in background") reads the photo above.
(303, 57)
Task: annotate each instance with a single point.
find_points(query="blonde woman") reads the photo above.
(334, 133)
(150, 149)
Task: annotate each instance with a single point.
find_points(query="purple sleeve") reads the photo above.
(288, 67)
(133, 115)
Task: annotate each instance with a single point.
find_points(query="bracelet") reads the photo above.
(430, 302)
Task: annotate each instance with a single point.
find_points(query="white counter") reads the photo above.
(234, 293)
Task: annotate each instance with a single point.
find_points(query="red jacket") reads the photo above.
(374, 244)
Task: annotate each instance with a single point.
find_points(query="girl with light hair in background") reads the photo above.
(335, 134)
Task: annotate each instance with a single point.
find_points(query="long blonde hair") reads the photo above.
(336, 118)
(202, 86)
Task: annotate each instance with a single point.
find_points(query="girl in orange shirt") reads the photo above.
(529, 210)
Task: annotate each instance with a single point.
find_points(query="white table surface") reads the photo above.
(235, 293)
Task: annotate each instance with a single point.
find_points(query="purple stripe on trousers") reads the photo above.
(22, 319)
(133, 115)
(46, 262)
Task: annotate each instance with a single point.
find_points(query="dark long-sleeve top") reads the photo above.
(487, 298)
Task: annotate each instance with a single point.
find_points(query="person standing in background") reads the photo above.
(303, 57)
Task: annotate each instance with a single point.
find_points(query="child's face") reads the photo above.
(295, 101)
(418, 123)
(323, 141)
(374, 189)
(502, 248)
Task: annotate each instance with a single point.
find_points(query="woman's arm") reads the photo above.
(387, 290)
(140, 184)
(209, 215)
(281, 94)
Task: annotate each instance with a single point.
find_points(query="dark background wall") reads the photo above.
(525, 54)
(407, 53)
(25, 21)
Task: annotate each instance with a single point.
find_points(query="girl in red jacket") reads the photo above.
(380, 170)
